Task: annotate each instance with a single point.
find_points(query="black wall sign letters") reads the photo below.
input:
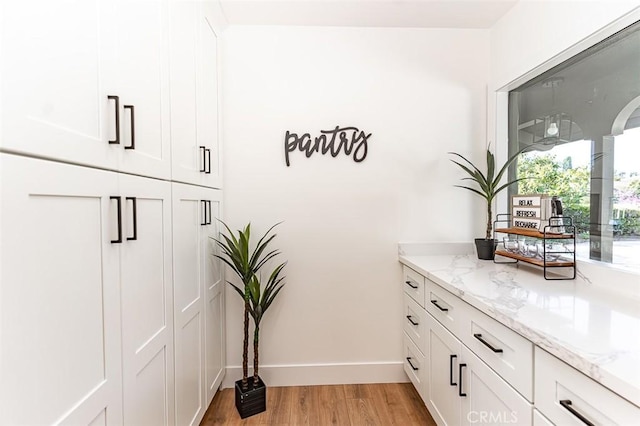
(347, 139)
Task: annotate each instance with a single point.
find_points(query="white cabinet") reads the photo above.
(488, 398)
(87, 292)
(143, 87)
(194, 95)
(443, 386)
(567, 397)
(60, 295)
(147, 302)
(58, 70)
(198, 286)
(87, 81)
(461, 387)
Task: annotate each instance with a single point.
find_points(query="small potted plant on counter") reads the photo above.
(251, 395)
(487, 186)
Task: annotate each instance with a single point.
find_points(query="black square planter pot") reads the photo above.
(252, 400)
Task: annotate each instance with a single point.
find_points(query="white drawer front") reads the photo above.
(413, 284)
(414, 363)
(444, 306)
(560, 389)
(505, 351)
(415, 322)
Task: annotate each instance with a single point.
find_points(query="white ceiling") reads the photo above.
(368, 13)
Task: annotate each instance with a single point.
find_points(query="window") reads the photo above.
(581, 122)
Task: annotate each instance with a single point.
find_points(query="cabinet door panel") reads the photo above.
(194, 96)
(58, 61)
(442, 397)
(490, 400)
(214, 290)
(60, 321)
(186, 160)
(147, 302)
(143, 82)
(188, 216)
(208, 118)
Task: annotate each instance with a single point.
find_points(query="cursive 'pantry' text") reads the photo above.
(346, 139)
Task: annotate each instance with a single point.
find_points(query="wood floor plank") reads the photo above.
(362, 412)
(332, 406)
(304, 411)
(341, 405)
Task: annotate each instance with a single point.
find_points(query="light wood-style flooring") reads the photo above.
(342, 405)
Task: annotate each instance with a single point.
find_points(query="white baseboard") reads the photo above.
(323, 374)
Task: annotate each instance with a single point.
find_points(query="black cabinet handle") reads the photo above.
(460, 393)
(451, 358)
(435, 302)
(207, 220)
(566, 403)
(119, 201)
(204, 215)
(133, 127)
(410, 284)
(410, 318)
(204, 158)
(117, 101)
(208, 169)
(411, 364)
(134, 208)
(487, 344)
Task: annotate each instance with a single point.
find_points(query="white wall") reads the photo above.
(533, 32)
(420, 93)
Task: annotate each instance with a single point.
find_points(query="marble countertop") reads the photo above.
(594, 330)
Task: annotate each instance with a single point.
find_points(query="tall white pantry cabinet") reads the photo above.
(111, 301)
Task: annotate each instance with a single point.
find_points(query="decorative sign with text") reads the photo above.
(525, 211)
(347, 140)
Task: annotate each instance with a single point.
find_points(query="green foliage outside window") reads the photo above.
(547, 174)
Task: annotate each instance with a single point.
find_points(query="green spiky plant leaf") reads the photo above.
(486, 185)
(235, 252)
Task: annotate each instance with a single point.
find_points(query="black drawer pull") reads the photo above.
(487, 344)
(204, 158)
(119, 216)
(208, 164)
(204, 214)
(134, 209)
(207, 218)
(460, 393)
(410, 318)
(410, 284)
(117, 101)
(133, 127)
(435, 302)
(566, 403)
(451, 358)
(411, 364)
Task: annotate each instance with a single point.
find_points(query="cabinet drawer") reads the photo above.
(414, 362)
(505, 351)
(563, 394)
(413, 284)
(415, 322)
(444, 306)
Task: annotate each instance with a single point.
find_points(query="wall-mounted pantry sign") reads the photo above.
(349, 140)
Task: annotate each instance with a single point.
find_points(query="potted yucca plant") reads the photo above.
(487, 185)
(246, 263)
